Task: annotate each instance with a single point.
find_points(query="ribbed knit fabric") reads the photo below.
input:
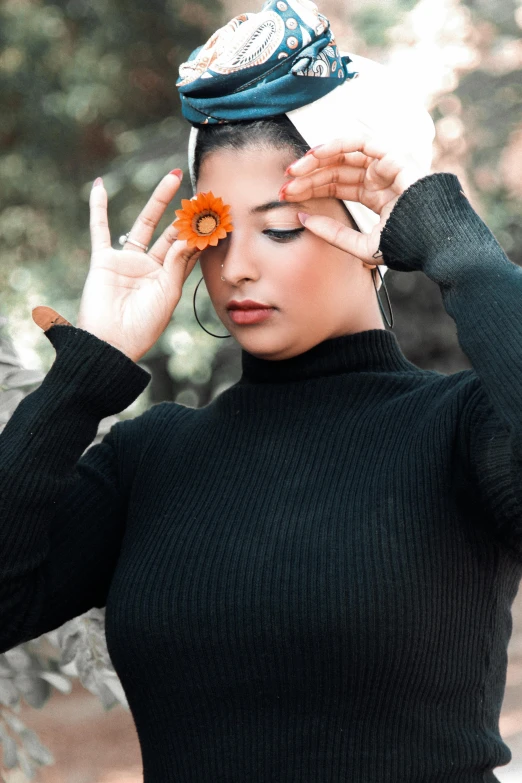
(310, 579)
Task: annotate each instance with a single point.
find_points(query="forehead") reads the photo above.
(252, 176)
(244, 178)
(262, 162)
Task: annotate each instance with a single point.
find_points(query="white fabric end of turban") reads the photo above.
(375, 101)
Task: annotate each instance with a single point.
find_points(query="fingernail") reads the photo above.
(314, 148)
(178, 173)
(303, 217)
(287, 170)
(97, 181)
(282, 191)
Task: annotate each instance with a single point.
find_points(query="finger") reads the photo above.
(151, 214)
(305, 187)
(160, 248)
(358, 159)
(191, 263)
(398, 170)
(98, 221)
(374, 200)
(180, 260)
(309, 163)
(334, 151)
(338, 235)
(389, 169)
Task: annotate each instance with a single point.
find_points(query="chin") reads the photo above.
(263, 344)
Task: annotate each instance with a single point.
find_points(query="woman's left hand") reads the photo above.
(353, 168)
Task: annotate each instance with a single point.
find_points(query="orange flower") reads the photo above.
(203, 221)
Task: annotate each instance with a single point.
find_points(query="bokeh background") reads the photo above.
(87, 88)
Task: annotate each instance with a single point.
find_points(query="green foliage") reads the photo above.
(372, 22)
(501, 15)
(491, 99)
(88, 89)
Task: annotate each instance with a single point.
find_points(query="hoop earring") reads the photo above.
(197, 319)
(378, 297)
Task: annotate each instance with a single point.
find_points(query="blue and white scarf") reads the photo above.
(262, 64)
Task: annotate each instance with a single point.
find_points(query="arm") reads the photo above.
(62, 515)
(433, 228)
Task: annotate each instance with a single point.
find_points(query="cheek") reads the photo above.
(210, 262)
(306, 273)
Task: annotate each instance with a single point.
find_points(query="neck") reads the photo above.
(372, 350)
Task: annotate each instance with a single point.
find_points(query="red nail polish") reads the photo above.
(178, 173)
(282, 190)
(314, 148)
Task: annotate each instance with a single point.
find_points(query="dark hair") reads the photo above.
(272, 132)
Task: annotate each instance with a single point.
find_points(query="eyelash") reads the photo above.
(283, 236)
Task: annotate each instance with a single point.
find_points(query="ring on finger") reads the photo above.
(124, 239)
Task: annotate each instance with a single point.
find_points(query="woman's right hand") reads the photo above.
(130, 295)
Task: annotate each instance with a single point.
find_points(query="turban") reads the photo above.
(285, 60)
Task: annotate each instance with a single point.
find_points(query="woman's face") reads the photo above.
(317, 291)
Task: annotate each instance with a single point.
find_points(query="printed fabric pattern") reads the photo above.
(250, 68)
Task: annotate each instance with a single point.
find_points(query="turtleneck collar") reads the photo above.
(373, 350)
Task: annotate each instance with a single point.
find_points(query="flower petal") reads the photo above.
(199, 206)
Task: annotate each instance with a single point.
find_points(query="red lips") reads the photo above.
(247, 304)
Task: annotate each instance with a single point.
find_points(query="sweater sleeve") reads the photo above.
(62, 515)
(434, 228)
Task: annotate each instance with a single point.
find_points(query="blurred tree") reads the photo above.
(88, 89)
(490, 108)
(478, 117)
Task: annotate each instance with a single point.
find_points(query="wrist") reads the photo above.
(430, 218)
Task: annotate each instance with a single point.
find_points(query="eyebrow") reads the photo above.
(275, 205)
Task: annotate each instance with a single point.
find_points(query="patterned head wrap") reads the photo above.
(284, 60)
(262, 64)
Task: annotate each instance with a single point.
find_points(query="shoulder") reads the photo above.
(157, 416)
(443, 393)
(151, 423)
(462, 388)
(134, 438)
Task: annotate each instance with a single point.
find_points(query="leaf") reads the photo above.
(13, 722)
(22, 378)
(10, 752)
(34, 689)
(59, 681)
(35, 749)
(27, 768)
(104, 694)
(5, 667)
(5, 371)
(9, 358)
(18, 658)
(113, 682)
(8, 402)
(9, 694)
(70, 644)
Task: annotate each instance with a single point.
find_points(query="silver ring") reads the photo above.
(125, 238)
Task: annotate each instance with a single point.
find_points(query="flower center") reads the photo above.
(206, 223)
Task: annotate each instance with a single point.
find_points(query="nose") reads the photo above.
(238, 261)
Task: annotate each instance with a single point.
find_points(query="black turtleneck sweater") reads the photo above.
(310, 579)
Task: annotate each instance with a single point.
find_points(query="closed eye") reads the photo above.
(283, 236)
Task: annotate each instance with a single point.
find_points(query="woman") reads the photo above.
(310, 578)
